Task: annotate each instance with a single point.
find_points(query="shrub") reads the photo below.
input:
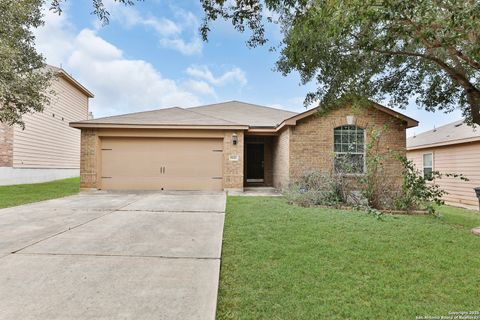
(315, 188)
(375, 189)
(417, 193)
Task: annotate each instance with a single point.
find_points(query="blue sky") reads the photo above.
(151, 56)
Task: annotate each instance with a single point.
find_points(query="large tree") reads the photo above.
(24, 80)
(391, 49)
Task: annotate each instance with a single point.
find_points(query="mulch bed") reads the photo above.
(390, 212)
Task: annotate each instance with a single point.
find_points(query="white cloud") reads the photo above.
(235, 76)
(120, 84)
(163, 27)
(200, 87)
(171, 34)
(54, 38)
(185, 47)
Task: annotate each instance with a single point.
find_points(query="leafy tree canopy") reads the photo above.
(394, 49)
(23, 83)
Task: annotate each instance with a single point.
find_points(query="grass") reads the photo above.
(286, 262)
(16, 195)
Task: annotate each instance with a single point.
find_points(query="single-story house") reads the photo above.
(229, 145)
(48, 148)
(452, 148)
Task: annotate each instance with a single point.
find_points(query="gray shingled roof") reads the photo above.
(168, 116)
(450, 133)
(232, 113)
(245, 113)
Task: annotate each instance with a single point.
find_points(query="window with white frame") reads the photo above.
(428, 166)
(349, 148)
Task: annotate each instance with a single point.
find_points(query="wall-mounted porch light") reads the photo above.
(234, 139)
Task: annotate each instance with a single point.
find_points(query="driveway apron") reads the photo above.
(112, 255)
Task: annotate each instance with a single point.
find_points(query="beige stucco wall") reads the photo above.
(311, 140)
(280, 159)
(48, 141)
(460, 158)
(90, 168)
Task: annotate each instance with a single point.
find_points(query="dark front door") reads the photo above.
(255, 162)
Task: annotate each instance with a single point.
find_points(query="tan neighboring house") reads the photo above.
(48, 148)
(452, 148)
(229, 145)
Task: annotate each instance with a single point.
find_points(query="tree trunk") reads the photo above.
(473, 97)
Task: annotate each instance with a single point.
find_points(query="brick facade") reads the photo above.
(6, 145)
(311, 140)
(89, 158)
(233, 169)
(281, 159)
(294, 150)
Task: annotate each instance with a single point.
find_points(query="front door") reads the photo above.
(255, 162)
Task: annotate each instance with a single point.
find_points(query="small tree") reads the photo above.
(417, 192)
(377, 185)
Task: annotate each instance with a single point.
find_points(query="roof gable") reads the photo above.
(70, 79)
(410, 122)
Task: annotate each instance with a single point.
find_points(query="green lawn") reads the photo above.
(285, 262)
(16, 195)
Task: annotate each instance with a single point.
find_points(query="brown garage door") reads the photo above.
(162, 163)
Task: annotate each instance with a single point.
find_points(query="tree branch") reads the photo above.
(474, 64)
(472, 93)
(454, 74)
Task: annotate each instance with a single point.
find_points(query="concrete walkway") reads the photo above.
(112, 256)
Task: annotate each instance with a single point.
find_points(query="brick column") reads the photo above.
(233, 161)
(88, 156)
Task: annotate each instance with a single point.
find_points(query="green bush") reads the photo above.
(373, 190)
(418, 193)
(370, 192)
(317, 188)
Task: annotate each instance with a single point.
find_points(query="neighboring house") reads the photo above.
(48, 148)
(453, 148)
(229, 145)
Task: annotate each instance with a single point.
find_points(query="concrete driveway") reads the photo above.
(112, 256)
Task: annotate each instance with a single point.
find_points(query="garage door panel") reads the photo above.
(156, 163)
(185, 167)
(142, 164)
(128, 183)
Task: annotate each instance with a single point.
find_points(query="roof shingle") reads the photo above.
(245, 113)
(455, 132)
(168, 116)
